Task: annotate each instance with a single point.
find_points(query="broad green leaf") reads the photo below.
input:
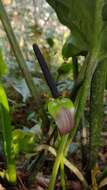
(87, 20)
(78, 17)
(23, 141)
(3, 67)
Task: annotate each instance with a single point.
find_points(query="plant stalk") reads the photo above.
(96, 112)
(57, 162)
(16, 49)
(7, 137)
(62, 173)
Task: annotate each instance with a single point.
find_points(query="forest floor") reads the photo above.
(41, 181)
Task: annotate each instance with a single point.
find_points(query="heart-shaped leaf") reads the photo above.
(87, 20)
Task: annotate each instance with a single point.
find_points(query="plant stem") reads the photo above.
(96, 111)
(91, 65)
(62, 173)
(57, 162)
(79, 81)
(84, 142)
(16, 49)
(82, 96)
(68, 164)
(7, 137)
(75, 68)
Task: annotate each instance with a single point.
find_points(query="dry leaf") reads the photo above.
(103, 183)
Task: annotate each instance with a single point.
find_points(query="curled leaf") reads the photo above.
(64, 113)
(65, 120)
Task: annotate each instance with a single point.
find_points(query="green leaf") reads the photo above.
(50, 41)
(81, 18)
(21, 87)
(81, 23)
(65, 68)
(69, 49)
(23, 141)
(3, 67)
(5, 123)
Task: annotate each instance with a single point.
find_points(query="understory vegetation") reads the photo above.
(53, 95)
